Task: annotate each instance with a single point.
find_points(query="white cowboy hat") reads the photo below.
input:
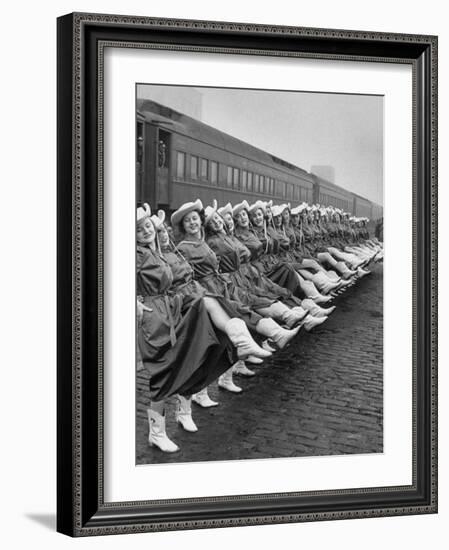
(227, 209)
(143, 211)
(209, 211)
(242, 205)
(297, 210)
(277, 209)
(256, 205)
(158, 221)
(185, 209)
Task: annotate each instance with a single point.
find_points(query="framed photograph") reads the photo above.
(247, 274)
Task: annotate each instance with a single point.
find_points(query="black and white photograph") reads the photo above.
(259, 274)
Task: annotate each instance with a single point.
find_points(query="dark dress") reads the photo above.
(205, 266)
(301, 249)
(287, 242)
(308, 250)
(230, 255)
(264, 256)
(254, 271)
(177, 341)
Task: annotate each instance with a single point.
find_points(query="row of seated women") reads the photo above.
(226, 287)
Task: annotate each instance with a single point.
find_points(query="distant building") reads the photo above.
(324, 171)
(190, 104)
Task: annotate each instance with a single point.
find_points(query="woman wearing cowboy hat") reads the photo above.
(250, 249)
(189, 219)
(298, 223)
(183, 281)
(244, 237)
(314, 244)
(283, 232)
(261, 246)
(276, 266)
(246, 275)
(249, 223)
(233, 259)
(322, 278)
(177, 341)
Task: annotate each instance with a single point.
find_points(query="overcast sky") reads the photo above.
(306, 129)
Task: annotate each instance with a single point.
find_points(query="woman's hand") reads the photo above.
(140, 309)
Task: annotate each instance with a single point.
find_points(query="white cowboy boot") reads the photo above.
(362, 272)
(225, 382)
(301, 310)
(345, 271)
(311, 292)
(266, 346)
(184, 414)
(242, 369)
(203, 400)
(312, 322)
(324, 283)
(157, 435)
(332, 275)
(247, 349)
(283, 313)
(343, 284)
(291, 317)
(280, 336)
(315, 310)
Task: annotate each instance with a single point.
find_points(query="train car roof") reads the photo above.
(174, 121)
(326, 183)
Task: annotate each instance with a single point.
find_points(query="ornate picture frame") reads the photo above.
(81, 507)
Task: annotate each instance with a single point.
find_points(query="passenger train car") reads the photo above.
(179, 159)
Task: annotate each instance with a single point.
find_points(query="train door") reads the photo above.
(155, 178)
(163, 163)
(140, 161)
(149, 154)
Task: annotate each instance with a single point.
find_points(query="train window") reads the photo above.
(213, 172)
(180, 165)
(296, 193)
(229, 177)
(280, 188)
(194, 167)
(250, 181)
(244, 179)
(204, 169)
(235, 178)
(272, 186)
(256, 183)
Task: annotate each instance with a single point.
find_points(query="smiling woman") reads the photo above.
(172, 312)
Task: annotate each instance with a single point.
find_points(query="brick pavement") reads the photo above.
(323, 395)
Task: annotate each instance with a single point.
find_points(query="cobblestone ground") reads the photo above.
(321, 396)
